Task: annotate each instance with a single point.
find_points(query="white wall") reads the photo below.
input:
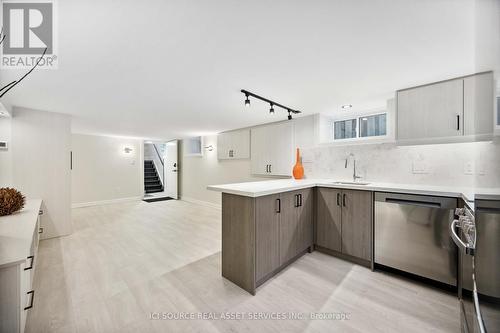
(40, 146)
(197, 172)
(102, 171)
(5, 155)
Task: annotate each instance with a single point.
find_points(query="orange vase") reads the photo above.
(298, 169)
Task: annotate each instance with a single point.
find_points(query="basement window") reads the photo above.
(345, 129)
(360, 128)
(375, 125)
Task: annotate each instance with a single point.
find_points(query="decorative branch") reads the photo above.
(2, 36)
(12, 84)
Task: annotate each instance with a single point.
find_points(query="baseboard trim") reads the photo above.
(105, 202)
(201, 202)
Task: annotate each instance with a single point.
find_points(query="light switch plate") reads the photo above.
(468, 168)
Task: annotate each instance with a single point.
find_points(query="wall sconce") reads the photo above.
(127, 150)
(209, 148)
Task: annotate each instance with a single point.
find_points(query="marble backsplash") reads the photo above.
(458, 164)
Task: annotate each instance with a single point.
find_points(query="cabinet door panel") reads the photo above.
(241, 144)
(267, 235)
(288, 226)
(479, 103)
(431, 111)
(305, 220)
(329, 215)
(222, 140)
(259, 151)
(272, 145)
(281, 149)
(357, 223)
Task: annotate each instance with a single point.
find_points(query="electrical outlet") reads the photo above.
(468, 168)
(419, 167)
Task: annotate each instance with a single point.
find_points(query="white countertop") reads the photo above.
(16, 233)
(266, 187)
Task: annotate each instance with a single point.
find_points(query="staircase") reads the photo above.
(152, 182)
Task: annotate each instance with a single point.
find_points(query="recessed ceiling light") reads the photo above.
(346, 106)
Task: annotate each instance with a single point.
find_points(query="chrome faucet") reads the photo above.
(354, 176)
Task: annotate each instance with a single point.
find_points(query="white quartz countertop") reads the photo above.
(266, 187)
(16, 233)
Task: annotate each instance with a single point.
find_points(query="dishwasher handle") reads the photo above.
(460, 243)
(413, 202)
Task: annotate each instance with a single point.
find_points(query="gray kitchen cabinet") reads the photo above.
(449, 111)
(430, 111)
(288, 226)
(264, 234)
(305, 215)
(357, 212)
(344, 221)
(329, 218)
(296, 223)
(479, 100)
(267, 225)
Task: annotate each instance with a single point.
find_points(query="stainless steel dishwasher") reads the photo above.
(411, 235)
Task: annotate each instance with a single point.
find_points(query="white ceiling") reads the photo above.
(166, 69)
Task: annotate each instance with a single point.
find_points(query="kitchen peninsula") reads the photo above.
(267, 225)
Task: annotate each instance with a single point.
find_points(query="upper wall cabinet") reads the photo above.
(447, 110)
(272, 149)
(233, 145)
(479, 99)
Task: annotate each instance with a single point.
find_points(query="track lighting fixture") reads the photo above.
(272, 103)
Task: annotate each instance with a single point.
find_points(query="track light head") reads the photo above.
(271, 110)
(247, 101)
(289, 115)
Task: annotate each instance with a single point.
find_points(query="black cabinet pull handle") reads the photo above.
(270, 168)
(32, 292)
(40, 230)
(338, 199)
(31, 263)
(343, 200)
(278, 201)
(296, 200)
(300, 200)
(40, 212)
(458, 122)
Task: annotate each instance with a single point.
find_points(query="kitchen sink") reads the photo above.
(351, 183)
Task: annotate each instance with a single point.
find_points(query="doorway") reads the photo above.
(160, 170)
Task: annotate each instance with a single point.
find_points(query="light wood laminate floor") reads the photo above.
(126, 261)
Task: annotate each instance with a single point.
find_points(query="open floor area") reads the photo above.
(137, 267)
(282, 166)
